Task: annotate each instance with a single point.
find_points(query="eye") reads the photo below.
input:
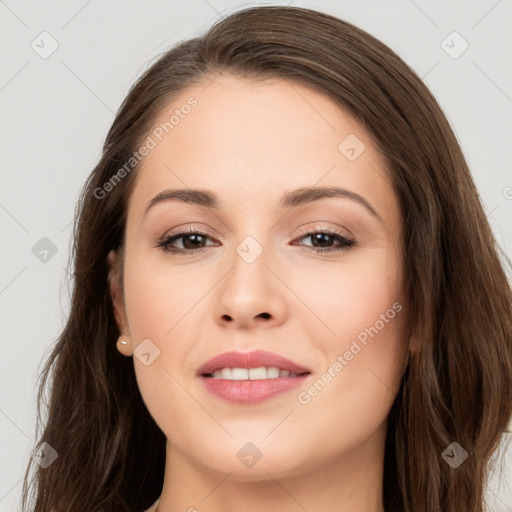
(193, 241)
(325, 237)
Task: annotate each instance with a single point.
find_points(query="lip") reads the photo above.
(250, 391)
(252, 359)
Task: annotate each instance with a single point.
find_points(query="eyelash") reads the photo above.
(165, 242)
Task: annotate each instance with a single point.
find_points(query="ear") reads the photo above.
(114, 283)
(415, 344)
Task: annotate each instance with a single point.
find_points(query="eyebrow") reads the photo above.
(301, 196)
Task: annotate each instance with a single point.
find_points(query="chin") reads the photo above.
(251, 461)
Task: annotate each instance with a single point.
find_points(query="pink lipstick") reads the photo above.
(251, 377)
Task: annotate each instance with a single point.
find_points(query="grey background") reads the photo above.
(56, 112)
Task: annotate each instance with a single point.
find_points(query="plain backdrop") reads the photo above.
(57, 108)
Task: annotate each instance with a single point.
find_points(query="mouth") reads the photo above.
(258, 373)
(251, 377)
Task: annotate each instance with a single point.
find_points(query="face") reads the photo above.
(315, 279)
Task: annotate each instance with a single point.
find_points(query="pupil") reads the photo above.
(197, 238)
(319, 236)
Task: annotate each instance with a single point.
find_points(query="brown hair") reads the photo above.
(111, 453)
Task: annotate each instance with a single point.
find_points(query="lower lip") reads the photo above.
(251, 391)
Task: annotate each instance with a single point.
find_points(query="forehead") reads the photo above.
(251, 141)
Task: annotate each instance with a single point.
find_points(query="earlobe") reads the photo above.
(414, 344)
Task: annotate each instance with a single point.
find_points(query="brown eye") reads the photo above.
(192, 242)
(322, 240)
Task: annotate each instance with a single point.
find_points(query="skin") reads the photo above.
(250, 142)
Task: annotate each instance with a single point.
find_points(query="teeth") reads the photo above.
(239, 374)
(259, 373)
(272, 372)
(226, 373)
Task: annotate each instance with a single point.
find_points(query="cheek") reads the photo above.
(352, 295)
(159, 297)
(159, 307)
(362, 342)
(353, 392)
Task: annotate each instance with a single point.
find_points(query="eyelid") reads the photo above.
(315, 227)
(303, 230)
(192, 228)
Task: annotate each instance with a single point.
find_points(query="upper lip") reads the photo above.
(253, 359)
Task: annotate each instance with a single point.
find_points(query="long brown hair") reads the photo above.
(457, 388)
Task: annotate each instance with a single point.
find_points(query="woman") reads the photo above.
(286, 291)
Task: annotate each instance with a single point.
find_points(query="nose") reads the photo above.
(250, 296)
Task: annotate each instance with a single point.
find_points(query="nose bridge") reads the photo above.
(248, 292)
(249, 274)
